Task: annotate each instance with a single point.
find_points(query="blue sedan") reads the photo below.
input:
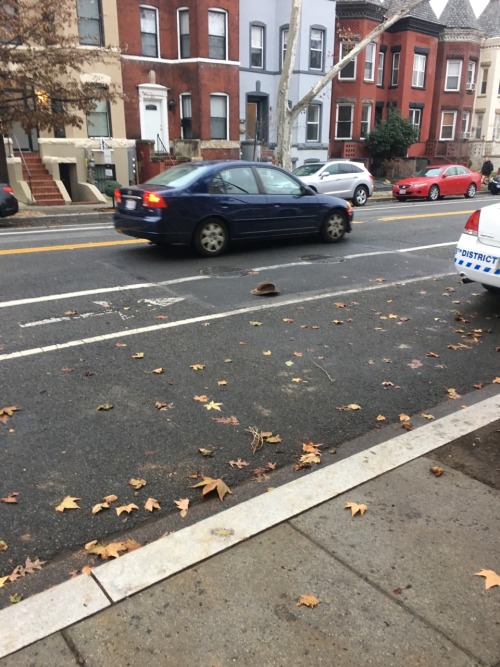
(208, 204)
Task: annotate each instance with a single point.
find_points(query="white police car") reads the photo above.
(477, 258)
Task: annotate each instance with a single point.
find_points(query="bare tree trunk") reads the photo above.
(4, 173)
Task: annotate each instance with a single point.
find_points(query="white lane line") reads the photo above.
(79, 598)
(56, 230)
(178, 281)
(216, 316)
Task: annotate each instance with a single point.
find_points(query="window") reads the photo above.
(313, 122)
(416, 120)
(453, 74)
(343, 129)
(218, 117)
(380, 68)
(89, 22)
(496, 127)
(484, 80)
(447, 131)
(237, 181)
(257, 46)
(149, 32)
(395, 69)
(471, 74)
(98, 124)
(366, 116)
(465, 124)
(418, 77)
(348, 72)
(186, 117)
(277, 183)
(316, 47)
(217, 35)
(479, 125)
(370, 62)
(184, 38)
(284, 42)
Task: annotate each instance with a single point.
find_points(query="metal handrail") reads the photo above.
(165, 152)
(24, 163)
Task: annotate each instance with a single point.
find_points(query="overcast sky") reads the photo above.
(477, 6)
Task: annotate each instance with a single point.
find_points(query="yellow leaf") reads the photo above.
(272, 439)
(158, 371)
(297, 354)
(222, 383)
(239, 463)
(356, 507)
(289, 363)
(255, 324)
(68, 503)
(86, 569)
(3, 545)
(381, 418)
(8, 411)
(288, 320)
(310, 458)
(337, 322)
(201, 399)
(206, 452)
(212, 406)
(296, 380)
(197, 367)
(308, 601)
(105, 406)
(137, 483)
(267, 353)
(110, 499)
(403, 417)
(3, 581)
(138, 355)
(433, 355)
(152, 504)
(491, 578)
(159, 405)
(427, 416)
(183, 505)
(496, 380)
(452, 393)
(100, 506)
(228, 361)
(210, 484)
(126, 508)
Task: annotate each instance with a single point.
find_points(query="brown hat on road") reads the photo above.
(265, 288)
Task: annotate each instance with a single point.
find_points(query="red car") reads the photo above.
(435, 182)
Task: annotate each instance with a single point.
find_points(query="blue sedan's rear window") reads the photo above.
(179, 176)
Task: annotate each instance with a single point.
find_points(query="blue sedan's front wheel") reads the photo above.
(334, 227)
(211, 238)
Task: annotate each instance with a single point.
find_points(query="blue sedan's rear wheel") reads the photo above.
(334, 227)
(211, 238)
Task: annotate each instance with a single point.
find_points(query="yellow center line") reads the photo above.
(424, 215)
(76, 246)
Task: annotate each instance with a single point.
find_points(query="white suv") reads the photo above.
(349, 180)
(477, 257)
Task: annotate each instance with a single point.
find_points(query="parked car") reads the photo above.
(208, 204)
(8, 203)
(494, 185)
(477, 256)
(350, 180)
(436, 182)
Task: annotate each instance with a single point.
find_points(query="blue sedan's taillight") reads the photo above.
(153, 200)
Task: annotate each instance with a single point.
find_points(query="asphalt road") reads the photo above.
(380, 321)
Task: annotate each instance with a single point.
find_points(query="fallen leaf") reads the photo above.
(137, 483)
(120, 344)
(68, 503)
(126, 508)
(386, 383)
(110, 499)
(408, 426)
(3, 545)
(310, 458)
(197, 367)
(432, 354)
(183, 505)
(14, 599)
(351, 406)
(380, 418)
(267, 353)
(3, 581)
(70, 312)
(452, 393)
(8, 412)
(427, 416)
(228, 361)
(158, 371)
(436, 470)
(238, 463)
(138, 355)
(99, 507)
(491, 578)
(161, 317)
(308, 601)
(67, 370)
(31, 566)
(403, 417)
(226, 420)
(152, 504)
(255, 324)
(206, 452)
(222, 383)
(111, 550)
(288, 320)
(416, 363)
(272, 439)
(210, 484)
(356, 507)
(289, 363)
(339, 304)
(163, 406)
(496, 380)
(297, 354)
(86, 569)
(201, 399)
(337, 322)
(10, 498)
(105, 406)
(212, 406)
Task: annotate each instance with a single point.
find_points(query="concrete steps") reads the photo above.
(45, 192)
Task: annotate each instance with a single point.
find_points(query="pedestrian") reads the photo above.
(486, 170)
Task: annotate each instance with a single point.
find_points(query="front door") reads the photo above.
(153, 125)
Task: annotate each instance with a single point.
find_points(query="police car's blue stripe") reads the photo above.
(468, 265)
(487, 269)
(477, 267)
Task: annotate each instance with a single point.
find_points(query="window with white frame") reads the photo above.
(257, 46)
(98, 121)
(184, 35)
(316, 48)
(149, 32)
(418, 76)
(217, 33)
(313, 122)
(343, 126)
(416, 119)
(479, 125)
(453, 75)
(284, 42)
(89, 14)
(496, 127)
(370, 52)
(396, 57)
(471, 74)
(465, 125)
(380, 68)
(484, 80)
(447, 130)
(348, 72)
(366, 116)
(186, 116)
(218, 117)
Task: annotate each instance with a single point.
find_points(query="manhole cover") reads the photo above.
(223, 272)
(322, 259)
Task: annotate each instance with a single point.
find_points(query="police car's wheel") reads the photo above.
(471, 191)
(491, 288)
(334, 227)
(433, 193)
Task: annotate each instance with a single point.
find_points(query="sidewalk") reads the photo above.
(396, 586)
